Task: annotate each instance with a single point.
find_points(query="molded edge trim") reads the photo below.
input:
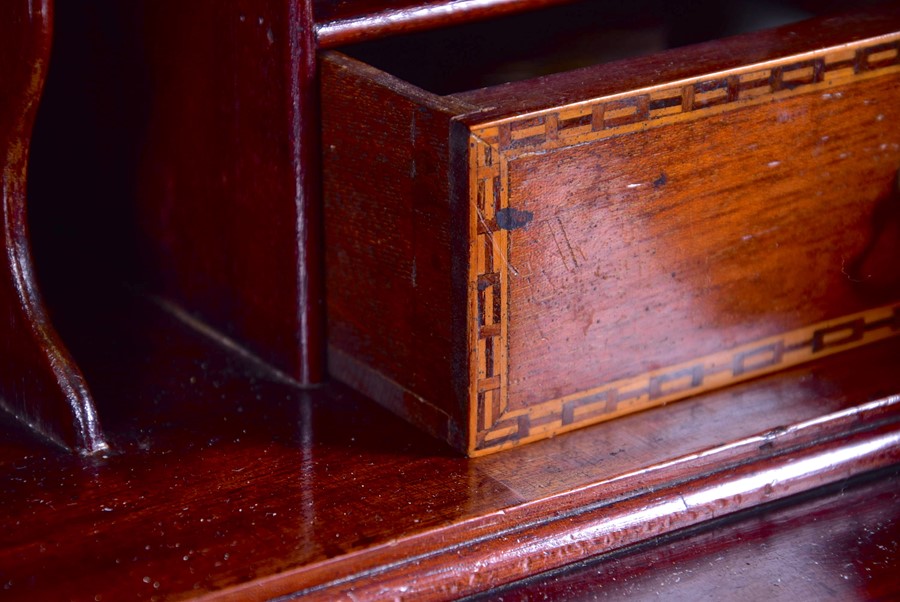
(534, 537)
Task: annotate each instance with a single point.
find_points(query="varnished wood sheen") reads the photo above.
(716, 225)
(620, 77)
(226, 480)
(840, 545)
(227, 185)
(384, 251)
(343, 22)
(39, 382)
(638, 231)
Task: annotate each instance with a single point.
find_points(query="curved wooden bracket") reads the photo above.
(39, 381)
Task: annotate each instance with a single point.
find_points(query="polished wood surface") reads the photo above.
(641, 260)
(341, 22)
(839, 543)
(228, 481)
(39, 381)
(395, 290)
(619, 77)
(224, 479)
(626, 247)
(346, 22)
(227, 185)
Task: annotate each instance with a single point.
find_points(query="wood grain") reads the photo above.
(225, 480)
(581, 275)
(685, 63)
(637, 232)
(339, 23)
(39, 382)
(228, 175)
(395, 292)
(229, 482)
(839, 545)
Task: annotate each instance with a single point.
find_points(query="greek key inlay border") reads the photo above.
(493, 145)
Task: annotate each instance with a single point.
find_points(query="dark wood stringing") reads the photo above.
(227, 481)
(530, 145)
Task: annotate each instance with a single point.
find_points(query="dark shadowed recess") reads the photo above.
(85, 150)
(571, 36)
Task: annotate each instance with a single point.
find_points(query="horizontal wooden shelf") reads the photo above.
(218, 477)
(226, 480)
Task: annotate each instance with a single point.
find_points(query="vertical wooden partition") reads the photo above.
(216, 171)
(39, 382)
(227, 189)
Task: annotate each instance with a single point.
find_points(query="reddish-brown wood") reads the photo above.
(694, 238)
(841, 545)
(396, 241)
(626, 246)
(685, 63)
(339, 23)
(227, 188)
(229, 481)
(39, 382)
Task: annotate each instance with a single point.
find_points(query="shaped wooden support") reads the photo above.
(39, 382)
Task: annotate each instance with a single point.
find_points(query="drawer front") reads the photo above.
(634, 249)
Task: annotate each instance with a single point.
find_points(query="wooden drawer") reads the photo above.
(512, 262)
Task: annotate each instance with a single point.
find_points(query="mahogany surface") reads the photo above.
(226, 480)
(39, 381)
(340, 22)
(840, 543)
(225, 166)
(653, 260)
(395, 292)
(638, 231)
(349, 21)
(708, 57)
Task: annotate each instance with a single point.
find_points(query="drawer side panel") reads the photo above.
(388, 218)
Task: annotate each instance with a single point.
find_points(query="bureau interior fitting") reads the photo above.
(509, 261)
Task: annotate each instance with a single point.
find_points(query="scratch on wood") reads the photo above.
(569, 248)
(550, 280)
(494, 246)
(848, 274)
